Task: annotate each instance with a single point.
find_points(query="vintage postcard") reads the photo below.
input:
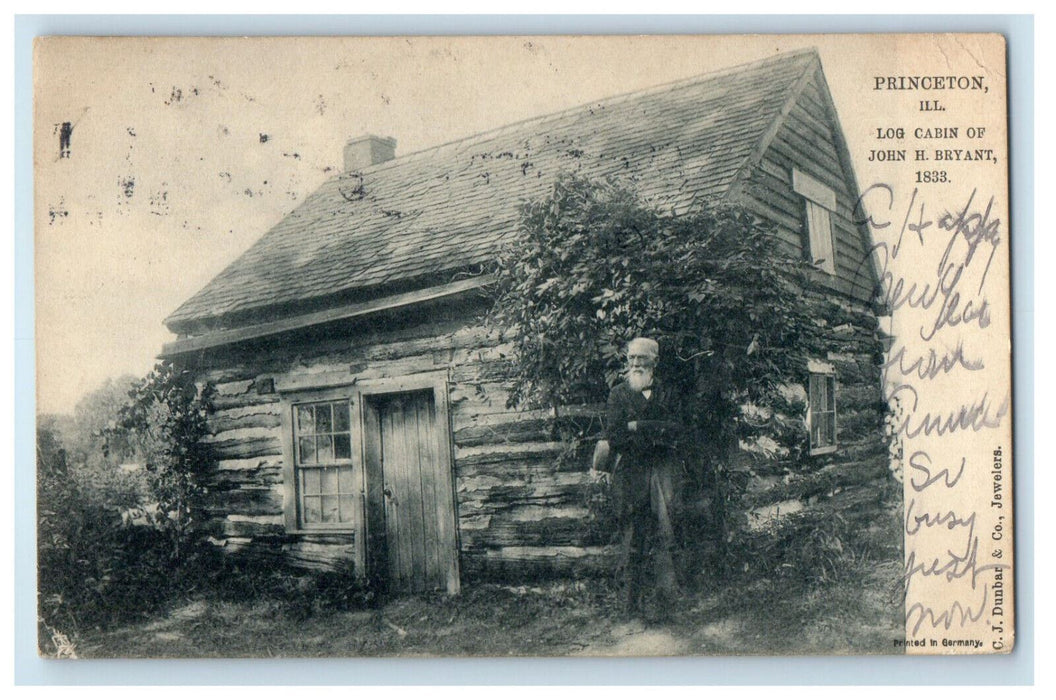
(542, 346)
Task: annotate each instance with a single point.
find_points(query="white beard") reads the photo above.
(640, 379)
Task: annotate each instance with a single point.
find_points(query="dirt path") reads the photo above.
(635, 639)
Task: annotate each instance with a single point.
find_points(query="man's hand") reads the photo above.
(599, 477)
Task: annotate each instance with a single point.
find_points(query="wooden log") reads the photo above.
(247, 448)
(321, 555)
(378, 369)
(536, 481)
(239, 435)
(551, 530)
(479, 398)
(256, 409)
(483, 371)
(243, 400)
(248, 464)
(236, 388)
(522, 471)
(503, 499)
(236, 478)
(252, 526)
(246, 501)
(579, 412)
(518, 430)
(466, 457)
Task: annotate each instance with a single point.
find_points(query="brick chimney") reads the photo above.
(365, 151)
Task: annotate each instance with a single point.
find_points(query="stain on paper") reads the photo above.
(57, 212)
(127, 185)
(65, 134)
(159, 201)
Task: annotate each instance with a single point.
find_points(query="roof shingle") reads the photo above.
(450, 207)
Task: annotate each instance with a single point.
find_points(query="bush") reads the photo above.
(165, 421)
(594, 266)
(91, 569)
(94, 567)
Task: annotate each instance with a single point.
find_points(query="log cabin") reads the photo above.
(360, 419)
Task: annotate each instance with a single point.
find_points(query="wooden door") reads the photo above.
(410, 506)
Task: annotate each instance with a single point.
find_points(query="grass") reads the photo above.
(851, 614)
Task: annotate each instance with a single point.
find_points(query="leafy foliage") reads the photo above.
(165, 420)
(594, 266)
(93, 567)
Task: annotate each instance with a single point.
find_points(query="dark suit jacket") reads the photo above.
(658, 424)
(649, 450)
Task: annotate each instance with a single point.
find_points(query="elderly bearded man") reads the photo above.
(643, 427)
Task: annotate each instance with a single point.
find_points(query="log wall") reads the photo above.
(522, 509)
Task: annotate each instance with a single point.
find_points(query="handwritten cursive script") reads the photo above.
(934, 262)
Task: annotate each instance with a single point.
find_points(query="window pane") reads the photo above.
(341, 411)
(329, 486)
(307, 450)
(342, 447)
(827, 426)
(820, 229)
(345, 503)
(305, 420)
(325, 447)
(322, 418)
(329, 509)
(345, 484)
(815, 393)
(312, 512)
(310, 482)
(823, 395)
(830, 393)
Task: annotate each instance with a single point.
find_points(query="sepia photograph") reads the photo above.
(547, 346)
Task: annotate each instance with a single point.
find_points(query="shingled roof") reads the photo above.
(426, 215)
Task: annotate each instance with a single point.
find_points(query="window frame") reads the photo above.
(828, 375)
(820, 204)
(293, 503)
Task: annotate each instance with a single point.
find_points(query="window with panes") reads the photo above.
(822, 407)
(323, 464)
